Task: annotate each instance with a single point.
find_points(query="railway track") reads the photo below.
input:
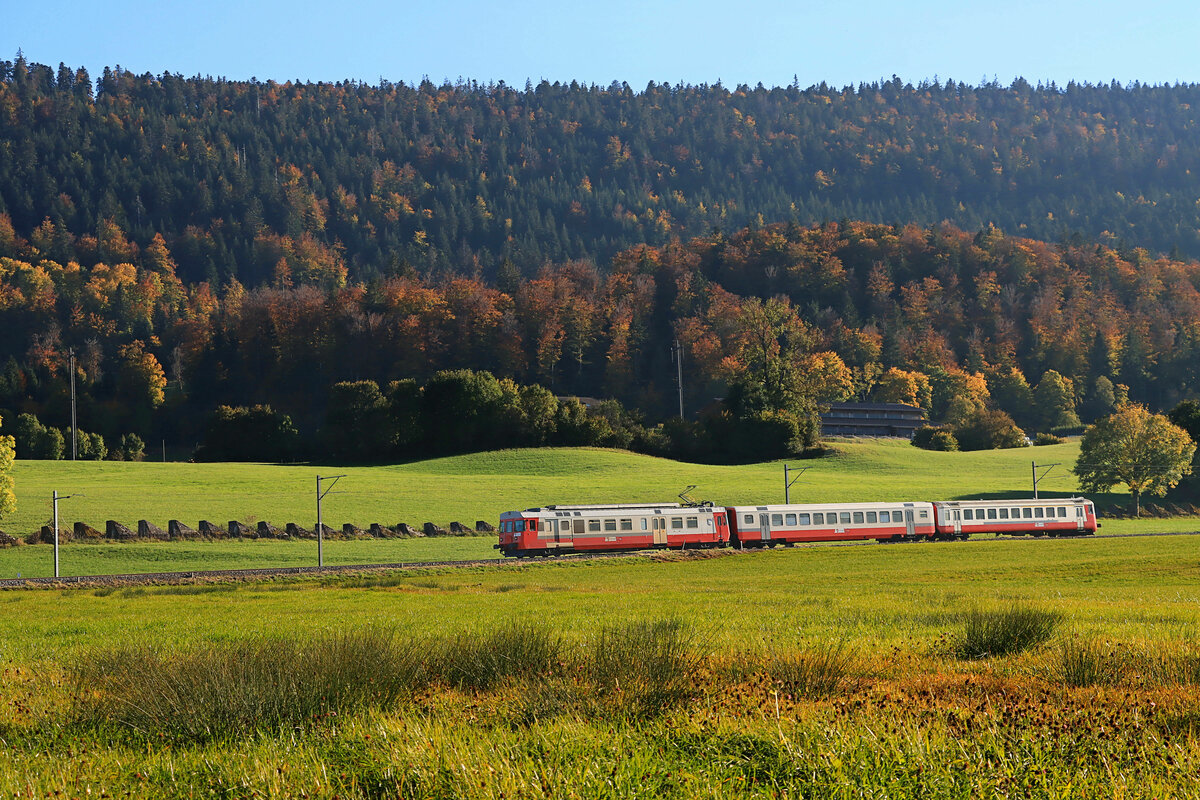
(234, 575)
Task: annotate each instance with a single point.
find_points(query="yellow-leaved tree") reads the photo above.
(1144, 451)
(8, 452)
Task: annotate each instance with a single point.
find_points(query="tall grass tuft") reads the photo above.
(644, 668)
(815, 672)
(1085, 662)
(230, 689)
(1002, 632)
(482, 661)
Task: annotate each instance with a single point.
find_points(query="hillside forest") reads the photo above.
(307, 258)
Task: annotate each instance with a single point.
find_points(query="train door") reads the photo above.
(1080, 518)
(909, 526)
(957, 520)
(764, 525)
(660, 530)
(562, 531)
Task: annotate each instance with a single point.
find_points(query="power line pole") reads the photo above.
(677, 354)
(787, 484)
(74, 437)
(1038, 478)
(320, 528)
(55, 501)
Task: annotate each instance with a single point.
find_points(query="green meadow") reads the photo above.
(993, 668)
(469, 488)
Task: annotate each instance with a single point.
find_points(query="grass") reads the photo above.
(803, 672)
(1001, 632)
(465, 488)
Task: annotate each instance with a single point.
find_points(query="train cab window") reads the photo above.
(818, 519)
(858, 517)
(520, 526)
(991, 513)
(805, 519)
(627, 524)
(748, 519)
(872, 516)
(790, 519)
(885, 516)
(1004, 513)
(1027, 513)
(844, 518)
(693, 522)
(968, 514)
(677, 522)
(610, 525)
(1062, 511)
(593, 526)
(777, 520)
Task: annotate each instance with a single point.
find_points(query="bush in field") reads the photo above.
(987, 430)
(1006, 631)
(931, 438)
(484, 661)
(643, 668)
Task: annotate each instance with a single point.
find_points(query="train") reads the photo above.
(560, 529)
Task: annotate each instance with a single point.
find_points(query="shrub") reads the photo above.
(932, 438)
(1006, 631)
(1046, 438)
(986, 430)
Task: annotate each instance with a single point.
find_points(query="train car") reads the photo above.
(768, 526)
(552, 530)
(1075, 516)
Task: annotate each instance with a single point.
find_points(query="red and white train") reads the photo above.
(553, 530)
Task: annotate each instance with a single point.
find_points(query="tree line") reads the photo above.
(773, 321)
(320, 183)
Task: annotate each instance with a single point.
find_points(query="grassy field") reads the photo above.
(469, 488)
(813, 672)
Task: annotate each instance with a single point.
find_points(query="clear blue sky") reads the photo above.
(701, 41)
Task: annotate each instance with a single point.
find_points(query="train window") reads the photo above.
(1004, 513)
(844, 518)
(578, 525)
(805, 519)
(593, 526)
(885, 516)
(991, 513)
(858, 517)
(924, 515)
(610, 524)
(818, 519)
(872, 516)
(749, 519)
(1037, 512)
(1062, 511)
(643, 523)
(831, 517)
(677, 522)
(520, 526)
(626, 524)
(790, 519)
(1027, 513)
(693, 522)
(968, 514)
(777, 520)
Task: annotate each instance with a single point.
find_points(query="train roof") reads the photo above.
(1021, 501)
(837, 506)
